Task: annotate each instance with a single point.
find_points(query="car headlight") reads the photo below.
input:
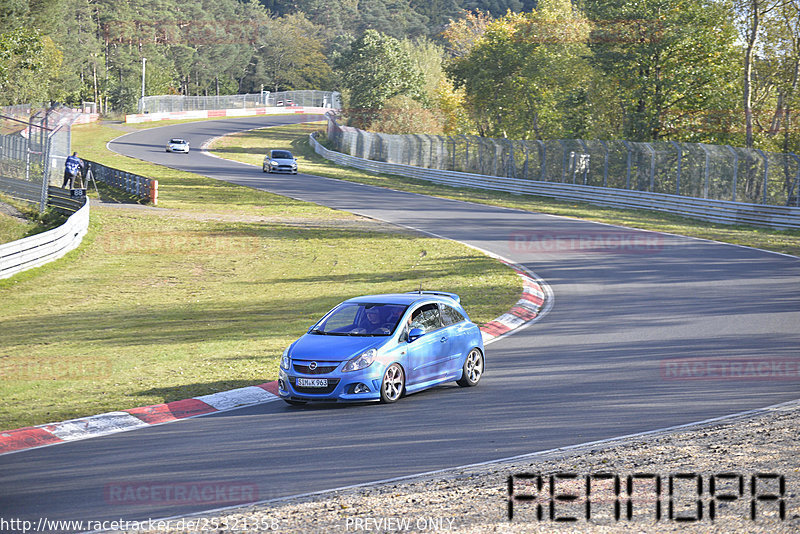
(294, 164)
(285, 360)
(362, 361)
(274, 163)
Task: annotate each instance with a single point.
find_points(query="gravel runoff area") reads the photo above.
(11, 211)
(757, 447)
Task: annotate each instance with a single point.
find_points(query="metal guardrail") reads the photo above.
(714, 172)
(39, 249)
(21, 189)
(705, 209)
(63, 201)
(131, 183)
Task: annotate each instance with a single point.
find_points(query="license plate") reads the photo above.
(312, 382)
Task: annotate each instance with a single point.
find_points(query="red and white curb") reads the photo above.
(528, 308)
(524, 311)
(113, 422)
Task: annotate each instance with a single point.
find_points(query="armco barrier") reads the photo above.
(21, 189)
(131, 183)
(705, 209)
(39, 249)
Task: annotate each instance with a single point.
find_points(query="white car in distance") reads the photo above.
(178, 145)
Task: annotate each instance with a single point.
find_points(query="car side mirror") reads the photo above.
(415, 334)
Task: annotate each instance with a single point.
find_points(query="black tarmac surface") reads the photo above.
(603, 363)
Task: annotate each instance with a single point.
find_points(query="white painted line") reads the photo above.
(95, 425)
(236, 398)
(510, 320)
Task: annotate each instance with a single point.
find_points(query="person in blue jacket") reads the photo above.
(72, 167)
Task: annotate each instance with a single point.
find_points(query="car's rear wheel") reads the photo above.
(472, 370)
(392, 384)
(295, 402)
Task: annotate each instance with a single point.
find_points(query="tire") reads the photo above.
(294, 402)
(393, 384)
(472, 371)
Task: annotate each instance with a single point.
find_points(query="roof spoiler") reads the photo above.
(438, 293)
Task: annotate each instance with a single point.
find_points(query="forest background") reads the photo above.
(713, 71)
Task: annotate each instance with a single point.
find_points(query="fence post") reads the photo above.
(45, 178)
(796, 186)
(628, 171)
(466, 157)
(511, 166)
(605, 163)
(585, 151)
(680, 159)
(563, 161)
(766, 174)
(453, 164)
(735, 170)
(544, 158)
(652, 166)
(525, 165)
(705, 172)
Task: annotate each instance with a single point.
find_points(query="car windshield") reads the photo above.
(179, 141)
(360, 319)
(281, 154)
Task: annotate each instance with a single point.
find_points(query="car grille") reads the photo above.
(332, 383)
(322, 368)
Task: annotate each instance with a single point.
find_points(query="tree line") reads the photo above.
(710, 71)
(717, 71)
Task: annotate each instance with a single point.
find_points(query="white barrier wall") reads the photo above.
(212, 113)
(39, 249)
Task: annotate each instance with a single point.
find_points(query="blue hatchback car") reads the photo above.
(380, 347)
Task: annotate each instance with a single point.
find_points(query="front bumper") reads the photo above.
(340, 386)
(282, 169)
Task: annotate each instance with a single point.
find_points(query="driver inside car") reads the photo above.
(374, 324)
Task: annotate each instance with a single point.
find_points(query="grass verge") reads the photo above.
(250, 147)
(202, 295)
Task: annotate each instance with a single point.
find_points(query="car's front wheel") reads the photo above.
(393, 384)
(472, 370)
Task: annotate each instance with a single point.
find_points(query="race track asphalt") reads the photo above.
(601, 364)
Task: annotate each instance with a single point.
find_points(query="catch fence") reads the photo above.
(693, 170)
(177, 103)
(34, 142)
